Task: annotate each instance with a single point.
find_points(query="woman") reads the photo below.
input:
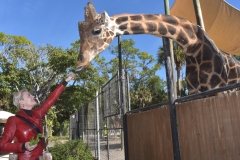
(19, 131)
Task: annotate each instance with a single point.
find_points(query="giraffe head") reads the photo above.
(96, 33)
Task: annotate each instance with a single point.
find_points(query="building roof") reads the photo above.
(221, 21)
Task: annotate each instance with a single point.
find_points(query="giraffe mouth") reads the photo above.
(78, 70)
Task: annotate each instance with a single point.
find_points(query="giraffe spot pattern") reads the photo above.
(188, 29)
(215, 80)
(238, 71)
(120, 20)
(171, 29)
(162, 29)
(111, 33)
(231, 62)
(232, 82)
(190, 59)
(170, 19)
(123, 27)
(203, 77)
(204, 88)
(208, 42)
(232, 73)
(207, 53)
(137, 28)
(218, 66)
(136, 18)
(182, 38)
(193, 78)
(151, 27)
(150, 17)
(206, 67)
(191, 69)
(199, 57)
(222, 84)
(193, 48)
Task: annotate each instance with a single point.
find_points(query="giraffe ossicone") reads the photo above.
(207, 67)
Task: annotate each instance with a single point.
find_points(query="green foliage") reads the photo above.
(35, 141)
(61, 129)
(71, 150)
(141, 67)
(12, 75)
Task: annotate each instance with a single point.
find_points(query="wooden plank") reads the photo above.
(184, 129)
(235, 120)
(163, 136)
(208, 129)
(149, 135)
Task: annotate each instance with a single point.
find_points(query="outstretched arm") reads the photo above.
(52, 98)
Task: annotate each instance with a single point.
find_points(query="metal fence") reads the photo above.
(99, 123)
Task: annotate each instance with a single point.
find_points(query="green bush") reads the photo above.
(71, 150)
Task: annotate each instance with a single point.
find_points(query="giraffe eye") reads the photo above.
(96, 31)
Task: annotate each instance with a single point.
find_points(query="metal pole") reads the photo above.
(123, 100)
(171, 90)
(83, 122)
(167, 12)
(97, 116)
(108, 153)
(198, 13)
(128, 87)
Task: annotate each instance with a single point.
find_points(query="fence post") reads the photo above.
(123, 98)
(171, 90)
(83, 122)
(97, 116)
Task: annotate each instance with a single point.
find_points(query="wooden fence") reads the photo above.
(208, 129)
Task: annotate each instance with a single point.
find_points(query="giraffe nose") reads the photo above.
(81, 58)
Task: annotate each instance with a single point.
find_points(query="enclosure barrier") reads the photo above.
(99, 123)
(208, 128)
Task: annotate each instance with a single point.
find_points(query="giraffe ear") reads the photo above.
(105, 18)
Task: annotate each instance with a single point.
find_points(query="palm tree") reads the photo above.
(179, 59)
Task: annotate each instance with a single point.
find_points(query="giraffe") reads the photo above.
(207, 67)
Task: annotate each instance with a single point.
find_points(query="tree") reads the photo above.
(179, 59)
(140, 67)
(157, 86)
(39, 69)
(12, 50)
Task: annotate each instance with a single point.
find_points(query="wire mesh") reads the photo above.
(111, 96)
(109, 145)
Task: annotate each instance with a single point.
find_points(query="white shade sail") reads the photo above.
(221, 21)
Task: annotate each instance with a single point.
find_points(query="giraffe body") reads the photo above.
(207, 67)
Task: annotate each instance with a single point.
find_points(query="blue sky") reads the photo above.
(56, 21)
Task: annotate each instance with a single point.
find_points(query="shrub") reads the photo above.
(71, 150)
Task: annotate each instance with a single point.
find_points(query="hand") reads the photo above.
(30, 148)
(71, 77)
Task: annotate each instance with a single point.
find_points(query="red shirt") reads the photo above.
(18, 131)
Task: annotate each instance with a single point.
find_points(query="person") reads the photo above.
(17, 133)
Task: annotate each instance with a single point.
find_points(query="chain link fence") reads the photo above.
(99, 123)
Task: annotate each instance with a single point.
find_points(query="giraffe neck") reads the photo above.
(180, 30)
